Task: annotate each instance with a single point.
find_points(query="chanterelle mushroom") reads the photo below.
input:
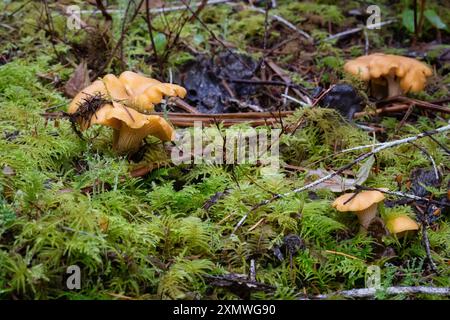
(130, 89)
(401, 225)
(146, 91)
(111, 101)
(363, 204)
(390, 74)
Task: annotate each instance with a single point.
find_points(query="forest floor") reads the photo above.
(143, 227)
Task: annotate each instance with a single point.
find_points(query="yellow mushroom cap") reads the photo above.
(109, 86)
(130, 126)
(401, 224)
(411, 73)
(96, 87)
(361, 201)
(146, 91)
(130, 89)
(145, 124)
(115, 90)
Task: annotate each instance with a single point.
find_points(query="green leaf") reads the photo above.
(434, 19)
(408, 19)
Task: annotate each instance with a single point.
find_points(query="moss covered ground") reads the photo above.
(66, 201)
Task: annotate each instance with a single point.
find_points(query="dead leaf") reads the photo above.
(78, 81)
(339, 183)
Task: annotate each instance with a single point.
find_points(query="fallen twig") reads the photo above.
(283, 21)
(378, 111)
(405, 195)
(160, 10)
(425, 240)
(426, 243)
(371, 292)
(119, 44)
(386, 145)
(358, 29)
(427, 154)
(418, 103)
(184, 105)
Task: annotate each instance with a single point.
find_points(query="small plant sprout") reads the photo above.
(116, 102)
(364, 204)
(390, 75)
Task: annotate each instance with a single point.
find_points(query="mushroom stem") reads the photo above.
(394, 88)
(126, 140)
(366, 216)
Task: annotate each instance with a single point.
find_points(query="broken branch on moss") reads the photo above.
(386, 145)
(371, 292)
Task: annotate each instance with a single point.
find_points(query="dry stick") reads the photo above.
(252, 270)
(426, 153)
(418, 103)
(283, 21)
(404, 195)
(179, 28)
(425, 240)
(405, 117)
(150, 31)
(426, 243)
(302, 93)
(447, 150)
(395, 108)
(51, 27)
(213, 35)
(342, 169)
(355, 30)
(119, 43)
(370, 292)
(184, 105)
(366, 41)
(103, 10)
(266, 30)
(163, 9)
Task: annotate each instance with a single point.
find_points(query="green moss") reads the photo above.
(64, 201)
(297, 11)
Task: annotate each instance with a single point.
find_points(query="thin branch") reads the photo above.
(160, 10)
(213, 35)
(150, 31)
(447, 150)
(121, 39)
(426, 153)
(358, 29)
(425, 240)
(371, 292)
(426, 243)
(342, 169)
(283, 21)
(405, 195)
(103, 10)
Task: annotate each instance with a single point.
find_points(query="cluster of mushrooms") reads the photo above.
(130, 95)
(389, 75)
(124, 101)
(365, 205)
